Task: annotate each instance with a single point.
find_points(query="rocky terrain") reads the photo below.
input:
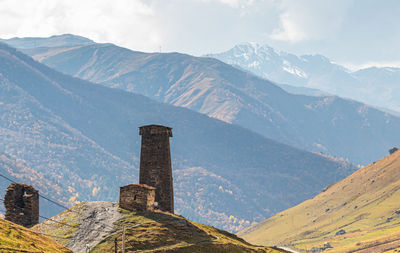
(95, 225)
(83, 226)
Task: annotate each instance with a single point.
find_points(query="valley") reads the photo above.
(199, 126)
(83, 139)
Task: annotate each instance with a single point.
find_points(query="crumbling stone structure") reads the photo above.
(22, 204)
(137, 197)
(155, 164)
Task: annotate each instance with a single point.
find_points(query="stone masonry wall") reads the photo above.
(137, 197)
(155, 164)
(22, 204)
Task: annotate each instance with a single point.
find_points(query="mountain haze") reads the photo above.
(373, 86)
(328, 124)
(17, 170)
(53, 41)
(83, 138)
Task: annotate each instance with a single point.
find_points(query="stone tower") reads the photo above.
(22, 205)
(155, 164)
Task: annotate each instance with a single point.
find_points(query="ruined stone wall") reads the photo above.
(155, 164)
(137, 197)
(22, 204)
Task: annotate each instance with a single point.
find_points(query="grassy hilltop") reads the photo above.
(358, 214)
(15, 238)
(97, 224)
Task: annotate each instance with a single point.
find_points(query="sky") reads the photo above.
(355, 33)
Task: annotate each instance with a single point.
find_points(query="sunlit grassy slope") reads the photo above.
(14, 238)
(163, 232)
(366, 205)
(145, 232)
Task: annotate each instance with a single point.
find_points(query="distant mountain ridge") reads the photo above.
(64, 40)
(79, 141)
(374, 86)
(327, 124)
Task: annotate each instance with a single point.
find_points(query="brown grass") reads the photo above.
(15, 238)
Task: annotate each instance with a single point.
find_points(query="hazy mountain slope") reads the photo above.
(327, 124)
(374, 86)
(381, 85)
(17, 170)
(298, 90)
(53, 41)
(145, 232)
(15, 238)
(364, 205)
(84, 137)
(34, 133)
(303, 90)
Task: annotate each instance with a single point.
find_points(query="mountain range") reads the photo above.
(237, 149)
(329, 124)
(78, 141)
(377, 86)
(53, 41)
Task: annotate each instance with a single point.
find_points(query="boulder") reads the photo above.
(341, 232)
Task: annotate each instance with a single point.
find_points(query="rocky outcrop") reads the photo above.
(392, 150)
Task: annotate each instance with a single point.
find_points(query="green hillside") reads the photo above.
(145, 232)
(15, 238)
(358, 214)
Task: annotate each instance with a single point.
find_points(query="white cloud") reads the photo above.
(309, 19)
(237, 3)
(289, 30)
(232, 3)
(369, 64)
(354, 31)
(130, 23)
